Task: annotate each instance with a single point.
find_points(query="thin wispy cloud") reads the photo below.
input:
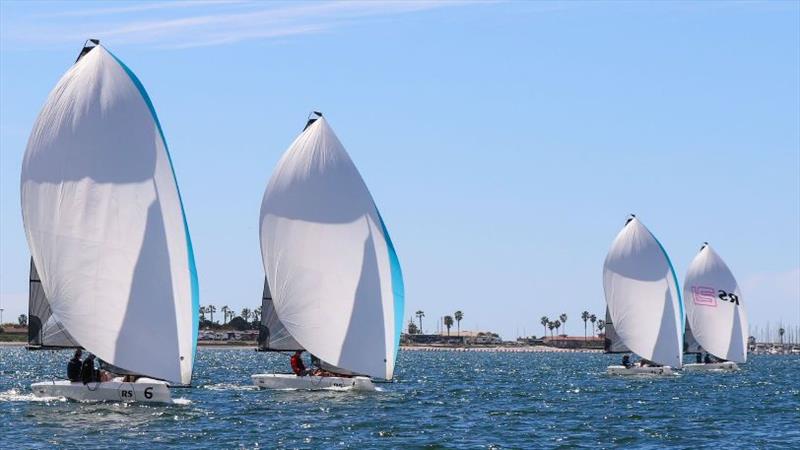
(204, 23)
(146, 6)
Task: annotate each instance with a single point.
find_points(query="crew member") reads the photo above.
(298, 367)
(88, 373)
(74, 367)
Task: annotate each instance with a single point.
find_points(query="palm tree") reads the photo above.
(245, 314)
(225, 311)
(780, 333)
(202, 314)
(551, 325)
(558, 325)
(600, 325)
(420, 314)
(211, 309)
(544, 321)
(257, 314)
(593, 319)
(585, 317)
(563, 318)
(458, 316)
(448, 322)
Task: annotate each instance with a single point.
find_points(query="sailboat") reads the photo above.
(333, 287)
(643, 301)
(112, 266)
(715, 311)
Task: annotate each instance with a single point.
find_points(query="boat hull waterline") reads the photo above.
(657, 371)
(294, 382)
(143, 390)
(727, 366)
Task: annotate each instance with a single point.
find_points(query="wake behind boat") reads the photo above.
(333, 282)
(112, 267)
(644, 309)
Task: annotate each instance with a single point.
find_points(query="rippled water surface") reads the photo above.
(439, 400)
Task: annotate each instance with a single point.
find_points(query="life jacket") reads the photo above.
(87, 371)
(74, 369)
(297, 365)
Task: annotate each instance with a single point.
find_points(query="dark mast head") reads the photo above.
(312, 118)
(87, 47)
(631, 217)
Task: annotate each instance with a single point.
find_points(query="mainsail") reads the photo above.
(44, 331)
(612, 342)
(642, 296)
(334, 275)
(272, 335)
(714, 307)
(105, 223)
(690, 344)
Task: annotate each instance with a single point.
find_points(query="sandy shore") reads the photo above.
(528, 349)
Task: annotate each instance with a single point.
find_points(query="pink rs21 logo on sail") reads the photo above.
(705, 296)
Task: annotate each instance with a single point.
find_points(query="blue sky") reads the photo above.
(504, 142)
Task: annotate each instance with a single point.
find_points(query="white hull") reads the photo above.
(727, 366)
(291, 381)
(143, 390)
(636, 370)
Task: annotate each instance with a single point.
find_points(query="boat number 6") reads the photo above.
(148, 393)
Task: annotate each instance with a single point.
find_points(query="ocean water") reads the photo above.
(439, 400)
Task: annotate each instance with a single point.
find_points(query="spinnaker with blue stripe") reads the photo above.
(105, 223)
(642, 295)
(331, 267)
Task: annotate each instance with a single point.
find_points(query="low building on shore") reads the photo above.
(462, 338)
(574, 342)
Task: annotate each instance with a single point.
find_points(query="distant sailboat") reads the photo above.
(333, 281)
(715, 311)
(112, 267)
(643, 300)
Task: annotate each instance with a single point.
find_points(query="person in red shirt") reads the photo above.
(298, 367)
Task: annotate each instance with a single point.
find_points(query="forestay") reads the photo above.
(105, 224)
(333, 272)
(714, 307)
(642, 296)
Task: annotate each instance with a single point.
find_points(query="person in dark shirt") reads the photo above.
(626, 361)
(698, 357)
(707, 359)
(88, 373)
(74, 367)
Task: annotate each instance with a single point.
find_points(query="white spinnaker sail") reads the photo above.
(335, 278)
(642, 296)
(105, 223)
(714, 307)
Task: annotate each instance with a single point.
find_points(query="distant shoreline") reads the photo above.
(497, 349)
